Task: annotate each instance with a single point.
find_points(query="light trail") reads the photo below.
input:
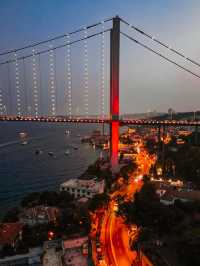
(114, 233)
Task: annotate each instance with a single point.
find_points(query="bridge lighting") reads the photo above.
(52, 81)
(1, 103)
(102, 80)
(35, 83)
(17, 86)
(85, 72)
(68, 91)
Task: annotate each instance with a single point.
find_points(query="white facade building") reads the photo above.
(83, 187)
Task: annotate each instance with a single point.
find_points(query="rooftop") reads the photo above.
(90, 184)
(74, 243)
(9, 232)
(42, 212)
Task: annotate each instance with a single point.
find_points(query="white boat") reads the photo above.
(67, 152)
(67, 132)
(24, 142)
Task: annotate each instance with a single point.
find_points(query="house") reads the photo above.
(31, 258)
(169, 197)
(40, 215)
(10, 234)
(52, 257)
(75, 251)
(83, 187)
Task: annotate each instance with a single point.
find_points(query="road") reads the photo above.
(113, 232)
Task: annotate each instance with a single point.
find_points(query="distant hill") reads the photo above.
(179, 116)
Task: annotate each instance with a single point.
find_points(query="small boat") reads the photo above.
(67, 132)
(78, 135)
(24, 142)
(75, 148)
(23, 135)
(67, 152)
(50, 153)
(37, 152)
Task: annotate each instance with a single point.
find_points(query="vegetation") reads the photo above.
(11, 216)
(49, 198)
(176, 226)
(98, 201)
(126, 170)
(187, 162)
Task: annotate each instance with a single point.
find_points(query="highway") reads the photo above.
(113, 232)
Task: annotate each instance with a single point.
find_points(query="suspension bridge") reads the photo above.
(30, 79)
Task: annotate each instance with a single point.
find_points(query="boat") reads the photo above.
(23, 135)
(75, 148)
(67, 152)
(23, 138)
(67, 132)
(37, 152)
(24, 142)
(50, 153)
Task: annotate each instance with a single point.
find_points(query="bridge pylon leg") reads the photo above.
(114, 92)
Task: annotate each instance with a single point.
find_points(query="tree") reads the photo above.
(11, 216)
(98, 201)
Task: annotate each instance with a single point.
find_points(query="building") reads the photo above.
(52, 257)
(10, 234)
(83, 187)
(31, 258)
(40, 215)
(75, 251)
(169, 197)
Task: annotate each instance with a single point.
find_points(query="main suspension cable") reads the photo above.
(54, 38)
(153, 38)
(54, 48)
(160, 55)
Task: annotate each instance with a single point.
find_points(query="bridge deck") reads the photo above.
(123, 122)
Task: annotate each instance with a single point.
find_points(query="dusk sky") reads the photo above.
(147, 82)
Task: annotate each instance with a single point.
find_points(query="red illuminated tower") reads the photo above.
(114, 91)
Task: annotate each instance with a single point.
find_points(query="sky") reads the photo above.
(146, 81)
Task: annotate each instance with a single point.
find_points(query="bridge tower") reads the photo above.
(114, 91)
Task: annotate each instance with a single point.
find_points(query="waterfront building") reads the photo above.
(86, 188)
(10, 234)
(40, 215)
(75, 251)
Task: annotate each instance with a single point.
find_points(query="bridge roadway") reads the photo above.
(123, 122)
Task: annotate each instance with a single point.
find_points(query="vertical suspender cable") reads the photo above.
(68, 91)
(52, 84)
(86, 73)
(25, 89)
(9, 98)
(102, 80)
(35, 84)
(1, 102)
(17, 86)
(40, 84)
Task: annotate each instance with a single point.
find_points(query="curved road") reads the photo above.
(114, 237)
